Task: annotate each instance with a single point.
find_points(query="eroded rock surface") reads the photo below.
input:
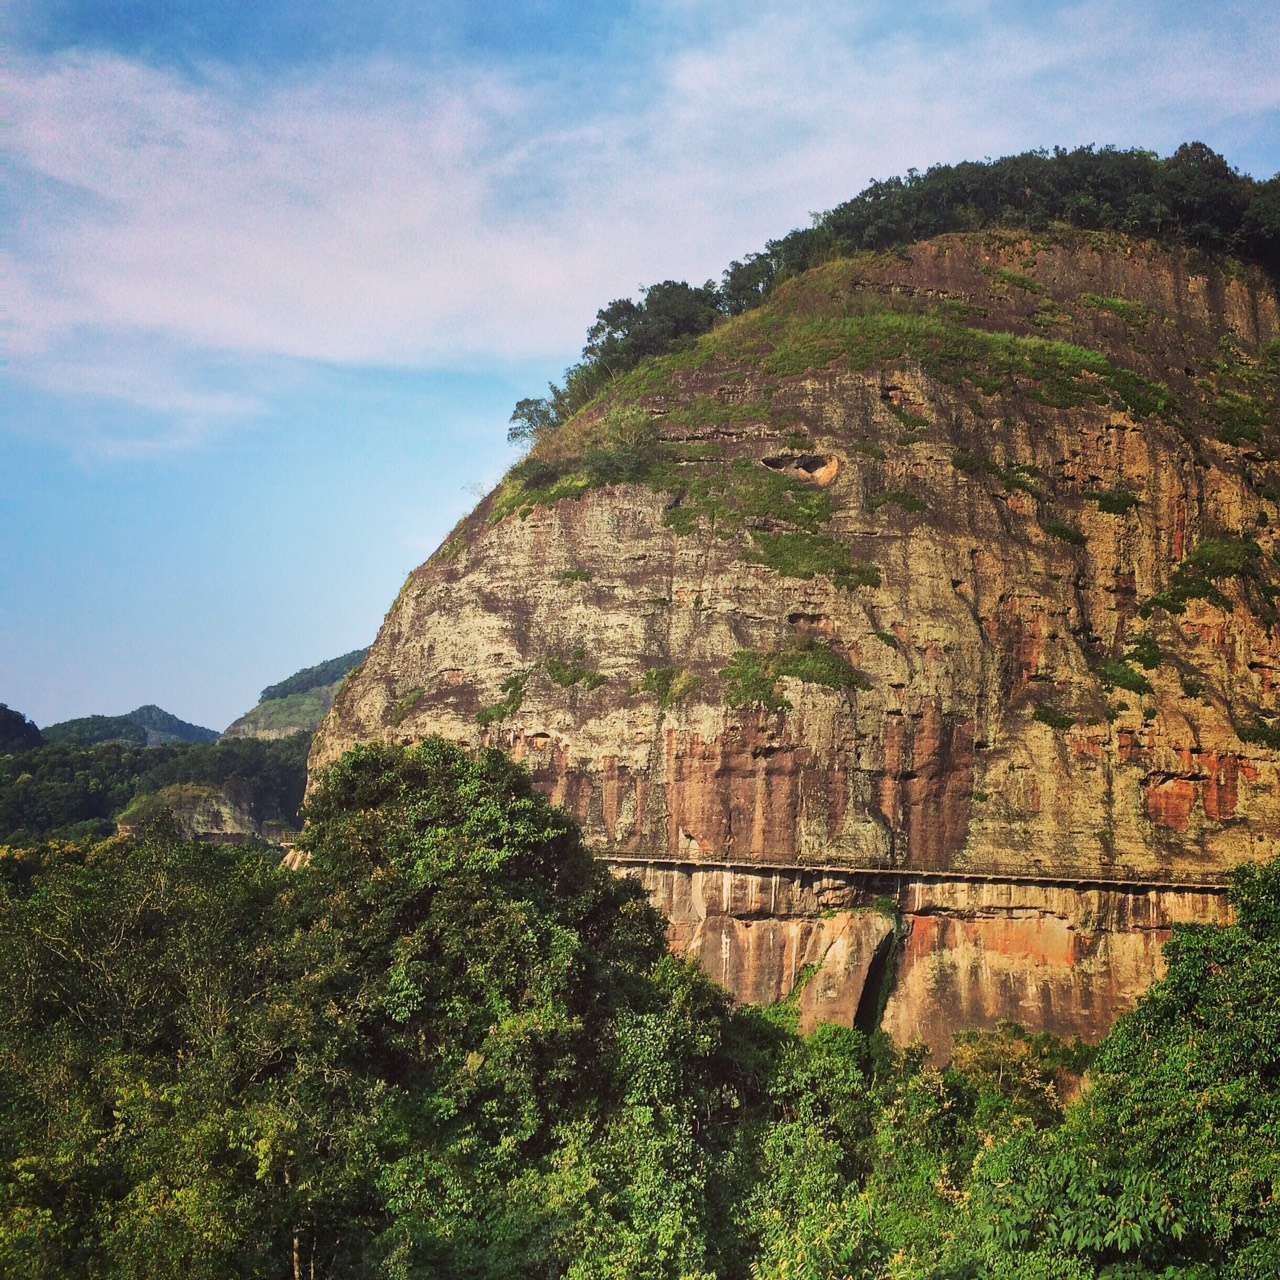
(924, 956)
(1022, 490)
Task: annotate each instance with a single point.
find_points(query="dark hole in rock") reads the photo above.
(876, 989)
(809, 462)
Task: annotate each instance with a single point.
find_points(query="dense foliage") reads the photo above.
(17, 733)
(69, 792)
(308, 678)
(453, 1045)
(1193, 197)
(147, 726)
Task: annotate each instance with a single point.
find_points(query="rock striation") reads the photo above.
(958, 563)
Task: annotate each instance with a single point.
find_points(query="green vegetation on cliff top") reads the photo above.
(323, 673)
(1192, 198)
(298, 712)
(805, 312)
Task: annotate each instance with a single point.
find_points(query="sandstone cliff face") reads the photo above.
(924, 955)
(959, 561)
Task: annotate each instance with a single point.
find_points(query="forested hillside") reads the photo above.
(454, 1045)
(296, 704)
(69, 792)
(313, 677)
(17, 733)
(148, 726)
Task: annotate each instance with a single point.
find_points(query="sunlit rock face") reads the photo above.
(1017, 494)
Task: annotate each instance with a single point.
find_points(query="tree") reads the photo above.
(667, 315)
(1206, 197)
(17, 733)
(1260, 227)
(1170, 1164)
(531, 419)
(127, 1138)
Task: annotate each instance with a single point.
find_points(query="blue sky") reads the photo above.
(272, 275)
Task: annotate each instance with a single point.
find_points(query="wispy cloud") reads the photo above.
(448, 216)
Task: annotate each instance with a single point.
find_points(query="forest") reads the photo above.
(452, 1044)
(66, 791)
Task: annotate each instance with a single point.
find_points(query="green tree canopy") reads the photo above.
(17, 733)
(452, 1044)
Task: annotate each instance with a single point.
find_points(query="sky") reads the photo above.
(272, 275)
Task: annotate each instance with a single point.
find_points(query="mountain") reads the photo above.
(217, 790)
(147, 726)
(900, 610)
(298, 703)
(17, 733)
(955, 565)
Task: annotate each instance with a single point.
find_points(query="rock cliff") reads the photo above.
(226, 814)
(953, 570)
(276, 718)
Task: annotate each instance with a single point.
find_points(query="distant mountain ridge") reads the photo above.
(145, 726)
(309, 678)
(298, 703)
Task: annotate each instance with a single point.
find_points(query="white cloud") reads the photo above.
(377, 214)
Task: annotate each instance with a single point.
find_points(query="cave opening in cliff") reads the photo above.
(875, 990)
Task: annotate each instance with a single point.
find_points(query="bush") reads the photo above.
(572, 667)
(1195, 577)
(1063, 532)
(751, 679)
(1115, 673)
(1145, 652)
(1055, 719)
(512, 690)
(669, 685)
(1115, 502)
(811, 555)
(900, 498)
